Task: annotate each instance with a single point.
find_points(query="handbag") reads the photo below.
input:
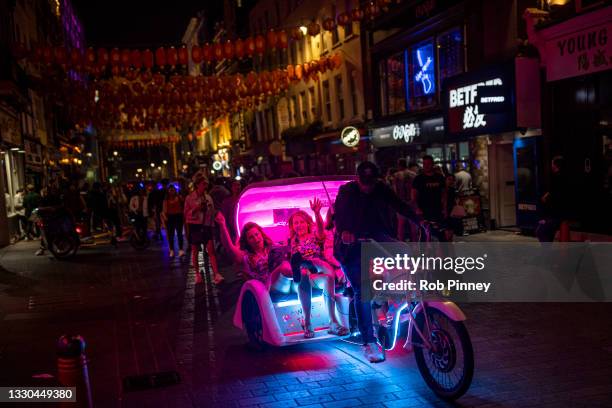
(458, 211)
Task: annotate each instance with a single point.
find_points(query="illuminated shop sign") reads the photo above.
(480, 102)
(424, 69)
(350, 136)
(408, 132)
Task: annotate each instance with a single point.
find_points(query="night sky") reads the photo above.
(137, 23)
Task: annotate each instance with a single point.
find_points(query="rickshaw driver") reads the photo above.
(363, 210)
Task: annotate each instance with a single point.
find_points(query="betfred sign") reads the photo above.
(480, 102)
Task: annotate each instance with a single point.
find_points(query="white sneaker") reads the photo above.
(373, 353)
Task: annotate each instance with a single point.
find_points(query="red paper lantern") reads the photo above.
(336, 60)
(183, 55)
(218, 51)
(158, 79)
(313, 29)
(47, 55)
(371, 10)
(115, 57)
(90, 58)
(171, 56)
(283, 39)
(228, 50)
(314, 67)
(344, 19)
(146, 77)
(115, 70)
(296, 34)
(260, 44)
(147, 58)
(136, 58)
(196, 54)
(299, 72)
(125, 58)
(60, 55)
(160, 57)
(75, 59)
(207, 52)
(250, 46)
(239, 48)
(272, 39)
(357, 14)
(329, 24)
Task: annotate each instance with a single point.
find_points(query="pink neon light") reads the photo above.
(258, 202)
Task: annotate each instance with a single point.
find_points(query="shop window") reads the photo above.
(340, 96)
(304, 106)
(313, 102)
(327, 101)
(396, 85)
(354, 99)
(335, 38)
(296, 110)
(450, 51)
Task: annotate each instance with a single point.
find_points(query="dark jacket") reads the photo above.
(367, 215)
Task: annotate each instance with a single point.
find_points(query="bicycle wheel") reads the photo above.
(448, 366)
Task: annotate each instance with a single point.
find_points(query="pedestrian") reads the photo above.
(429, 194)
(172, 217)
(20, 213)
(463, 180)
(199, 216)
(555, 203)
(228, 207)
(98, 204)
(364, 209)
(402, 185)
(114, 210)
(31, 201)
(139, 207)
(155, 201)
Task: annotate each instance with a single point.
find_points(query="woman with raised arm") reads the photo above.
(311, 268)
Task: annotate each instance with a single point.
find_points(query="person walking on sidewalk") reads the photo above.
(555, 203)
(199, 216)
(172, 217)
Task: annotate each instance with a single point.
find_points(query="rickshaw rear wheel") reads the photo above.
(452, 353)
(253, 322)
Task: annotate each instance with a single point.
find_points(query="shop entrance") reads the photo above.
(506, 202)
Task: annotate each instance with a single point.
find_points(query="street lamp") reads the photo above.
(152, 164)
(304, 30)
(115, 153)
(165, 161)
(139, 170)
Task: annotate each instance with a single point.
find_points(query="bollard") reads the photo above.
(72, 369)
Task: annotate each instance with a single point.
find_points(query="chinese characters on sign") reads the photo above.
(468, 96)
(481, 101)
(579, 53)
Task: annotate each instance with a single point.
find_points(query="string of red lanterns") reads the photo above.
(96, 61)
(150, 102)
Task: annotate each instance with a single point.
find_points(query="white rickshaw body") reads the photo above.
(270, 204)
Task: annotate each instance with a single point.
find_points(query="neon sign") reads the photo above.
(424, 66)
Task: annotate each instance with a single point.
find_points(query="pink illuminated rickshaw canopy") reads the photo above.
(270, 203)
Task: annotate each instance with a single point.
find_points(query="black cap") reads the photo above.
(368, 173)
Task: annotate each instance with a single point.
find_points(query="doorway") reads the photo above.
(505, 185)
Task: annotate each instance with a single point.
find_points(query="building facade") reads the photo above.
(301, 129)
(444, 78)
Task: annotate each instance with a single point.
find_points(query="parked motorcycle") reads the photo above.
(58, 231)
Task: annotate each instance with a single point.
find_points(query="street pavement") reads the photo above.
(140, 313)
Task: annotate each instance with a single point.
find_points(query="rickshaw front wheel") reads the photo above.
(448, 366)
